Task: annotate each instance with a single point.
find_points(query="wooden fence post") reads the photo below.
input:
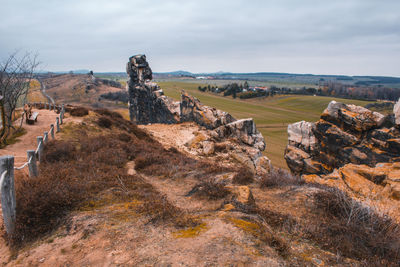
(40, 147)
(61, 118)
(7, 191)
(52, 131)
(45, 137)
(62, 111)
(33, 170)
(57, 124)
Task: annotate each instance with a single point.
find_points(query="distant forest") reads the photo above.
(334, 89)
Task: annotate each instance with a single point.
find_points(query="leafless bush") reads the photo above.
(104, 122)
(280, 177)
(243, 176)
(16, 72)
(209, 189)
(79, 112)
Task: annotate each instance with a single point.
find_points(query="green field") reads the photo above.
(271, 115)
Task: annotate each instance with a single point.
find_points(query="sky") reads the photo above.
(349, 37)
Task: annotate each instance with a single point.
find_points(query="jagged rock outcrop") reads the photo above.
(147, 103)
(344, 134)
(211, 118)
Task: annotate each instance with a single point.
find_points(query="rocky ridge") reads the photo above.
(351, 148)
(344, 134)
(148, 104)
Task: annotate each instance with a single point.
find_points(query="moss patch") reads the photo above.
(191, 231)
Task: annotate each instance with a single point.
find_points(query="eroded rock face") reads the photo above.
(192, 110)
(147, 103)
(379, 184)
(245, 130)
(344, 134)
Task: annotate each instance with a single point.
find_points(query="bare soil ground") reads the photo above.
(28, 141)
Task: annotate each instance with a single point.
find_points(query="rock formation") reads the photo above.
(353, 149)
(148, 104)
(192, 110)
(344, 134)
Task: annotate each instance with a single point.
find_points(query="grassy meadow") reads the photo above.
(271, 114)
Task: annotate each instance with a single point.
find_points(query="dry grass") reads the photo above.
(280, 177)
(343, 226)
(209, 189)
(243, 176)
(74, 173)
(79, 111)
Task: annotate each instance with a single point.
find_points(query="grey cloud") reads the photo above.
(344, 37)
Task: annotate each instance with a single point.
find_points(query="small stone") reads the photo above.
(208, 148)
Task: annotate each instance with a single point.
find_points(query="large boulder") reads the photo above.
(301, 134)
(192, 110)
(245, 130)
(344, 134)
(352, 117)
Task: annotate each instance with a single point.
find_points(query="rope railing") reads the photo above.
(45, 138)
(7, 191)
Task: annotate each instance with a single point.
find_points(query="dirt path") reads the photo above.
(28, 141)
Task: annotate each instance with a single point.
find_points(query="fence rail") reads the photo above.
(7, 190)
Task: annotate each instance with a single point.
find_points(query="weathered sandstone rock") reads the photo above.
(148, 104)
(344, 134)
(242, 197)
(192, 110)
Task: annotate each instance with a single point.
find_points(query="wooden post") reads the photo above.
(33, 170)
(52, 131)
(45, 137)
(62, 111)
(61, 118)
(57, 124)
(40, 147)
(7, 191)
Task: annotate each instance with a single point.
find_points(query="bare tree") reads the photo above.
(16, 73)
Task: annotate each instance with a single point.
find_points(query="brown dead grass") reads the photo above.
(74, 173)
(342, 226)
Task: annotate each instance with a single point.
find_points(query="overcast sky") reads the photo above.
(354, 37)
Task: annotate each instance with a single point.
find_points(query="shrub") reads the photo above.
(108, 113)
(104, 122)
(79, 112)
(209, 189)
(56, 151)
(344, 227)
(354, 229)
(280, 177)
(243, 176)
(70, 176)
(124, 137)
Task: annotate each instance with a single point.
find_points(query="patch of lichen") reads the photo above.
(191, 231)
(246, 226)
(196, 140)
(262, 235)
